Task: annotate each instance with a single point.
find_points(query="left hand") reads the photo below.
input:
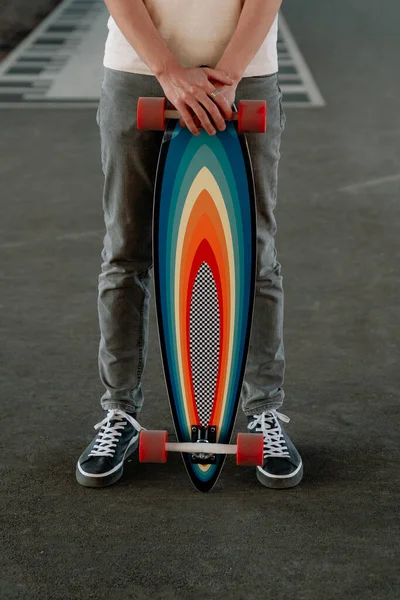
(223, 100)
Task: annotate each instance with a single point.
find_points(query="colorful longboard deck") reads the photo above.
(204, 245)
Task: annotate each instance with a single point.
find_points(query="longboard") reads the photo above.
(204, 254)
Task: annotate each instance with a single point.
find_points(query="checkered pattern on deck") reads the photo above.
(204, 336)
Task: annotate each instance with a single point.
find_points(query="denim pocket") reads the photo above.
(98, 115)
(282, 115)
(98, 121)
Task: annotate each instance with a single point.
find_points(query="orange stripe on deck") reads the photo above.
(204, 223)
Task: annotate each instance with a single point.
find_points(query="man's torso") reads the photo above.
(196, 31)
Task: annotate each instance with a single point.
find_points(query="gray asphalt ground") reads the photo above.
(152, 536)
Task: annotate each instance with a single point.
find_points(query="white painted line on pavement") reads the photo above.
(355, 187)
(312, 88)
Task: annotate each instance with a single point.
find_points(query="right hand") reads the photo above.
(189, 88)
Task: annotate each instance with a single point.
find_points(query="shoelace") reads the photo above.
(267, 423)
(107, 440)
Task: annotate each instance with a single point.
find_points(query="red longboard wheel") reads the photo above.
(150, 113)
(152, 446)
(250, 449)
(252, 116)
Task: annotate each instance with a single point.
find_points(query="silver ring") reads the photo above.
(215, 92)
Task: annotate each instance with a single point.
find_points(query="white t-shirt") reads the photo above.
(197, 33)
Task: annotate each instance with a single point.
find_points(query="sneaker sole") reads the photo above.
(97, 481)
(283, 482)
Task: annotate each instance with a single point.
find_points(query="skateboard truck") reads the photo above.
(154, 446)
(206, 435)
(154, 113)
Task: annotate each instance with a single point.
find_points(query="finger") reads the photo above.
(221, 101)
(201, 114)
(219, 76)
(224, 107)
(191, 102)
(187, 117)
(213, 109)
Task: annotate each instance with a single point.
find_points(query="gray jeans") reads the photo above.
(129, 160)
